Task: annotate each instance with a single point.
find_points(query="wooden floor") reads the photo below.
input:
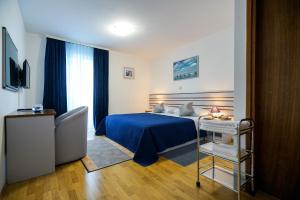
(162, 180)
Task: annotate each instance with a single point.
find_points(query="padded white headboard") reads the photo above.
(222, 99)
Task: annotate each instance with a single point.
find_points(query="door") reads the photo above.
(276, 83)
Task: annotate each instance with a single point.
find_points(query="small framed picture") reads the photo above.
(128, 73)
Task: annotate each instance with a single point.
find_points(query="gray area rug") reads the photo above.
(101, 154)
(184, 156)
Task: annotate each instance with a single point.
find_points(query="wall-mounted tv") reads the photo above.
(10, 67)
(25, 75)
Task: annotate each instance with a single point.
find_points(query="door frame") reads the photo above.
(250, 58)
(250, 71)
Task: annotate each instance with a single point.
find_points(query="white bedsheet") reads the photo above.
(195, 119)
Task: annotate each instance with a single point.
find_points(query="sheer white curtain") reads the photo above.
(79, 60)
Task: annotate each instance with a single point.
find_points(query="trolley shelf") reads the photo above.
(208, 149)
(232, 179)
(225, 177)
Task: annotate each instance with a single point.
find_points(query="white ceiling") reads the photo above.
(161, 24)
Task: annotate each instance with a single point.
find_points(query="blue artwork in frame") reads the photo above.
(185, 69)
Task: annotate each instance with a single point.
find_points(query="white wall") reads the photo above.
(35, 54)
(216, 66)
(124, 95)
(127, 95)
(240, 30)
(240, 58)
(10, 17)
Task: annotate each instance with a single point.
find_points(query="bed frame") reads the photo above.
(224, 100)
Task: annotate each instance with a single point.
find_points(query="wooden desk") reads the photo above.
(30, 113)
(30, 147)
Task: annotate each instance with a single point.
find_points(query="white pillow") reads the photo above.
(176, 112)
(171, 110)
(200, 111)
(168, 109)
(186, 109)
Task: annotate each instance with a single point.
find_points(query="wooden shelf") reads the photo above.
(30, 113)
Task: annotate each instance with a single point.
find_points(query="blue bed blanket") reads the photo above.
(146, 134)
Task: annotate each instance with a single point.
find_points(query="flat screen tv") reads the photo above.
(10, 67)
(25, 75)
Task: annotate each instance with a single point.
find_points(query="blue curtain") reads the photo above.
(100, 103)
(55, 89)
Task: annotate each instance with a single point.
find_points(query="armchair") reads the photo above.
(71, 135)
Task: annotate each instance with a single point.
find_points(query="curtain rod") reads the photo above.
(77, 42)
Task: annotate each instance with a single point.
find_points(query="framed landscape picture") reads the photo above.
(128, 73)
(185, 69)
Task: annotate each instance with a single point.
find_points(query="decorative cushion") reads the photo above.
(186, 109)
(159, 108)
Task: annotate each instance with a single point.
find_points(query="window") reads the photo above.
(79, 69)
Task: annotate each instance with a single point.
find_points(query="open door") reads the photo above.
(273, 93)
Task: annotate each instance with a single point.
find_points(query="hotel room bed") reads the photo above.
(147, 134)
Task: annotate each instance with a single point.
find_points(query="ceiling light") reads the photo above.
(122, 28)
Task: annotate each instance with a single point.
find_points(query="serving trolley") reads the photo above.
(238, 177)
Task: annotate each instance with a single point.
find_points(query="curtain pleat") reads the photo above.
(55, 90)
(101, 58)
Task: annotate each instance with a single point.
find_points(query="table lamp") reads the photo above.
(215, 112)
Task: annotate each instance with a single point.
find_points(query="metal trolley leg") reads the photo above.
(198, 154)
(198, 172)
(239, 166)
(213, 167)
(239, 181)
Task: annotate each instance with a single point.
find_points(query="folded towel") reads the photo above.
(225, 149)
(224, 123)
(220, 126)
(218, 129)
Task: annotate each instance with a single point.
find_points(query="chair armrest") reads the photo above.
(70, 116)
